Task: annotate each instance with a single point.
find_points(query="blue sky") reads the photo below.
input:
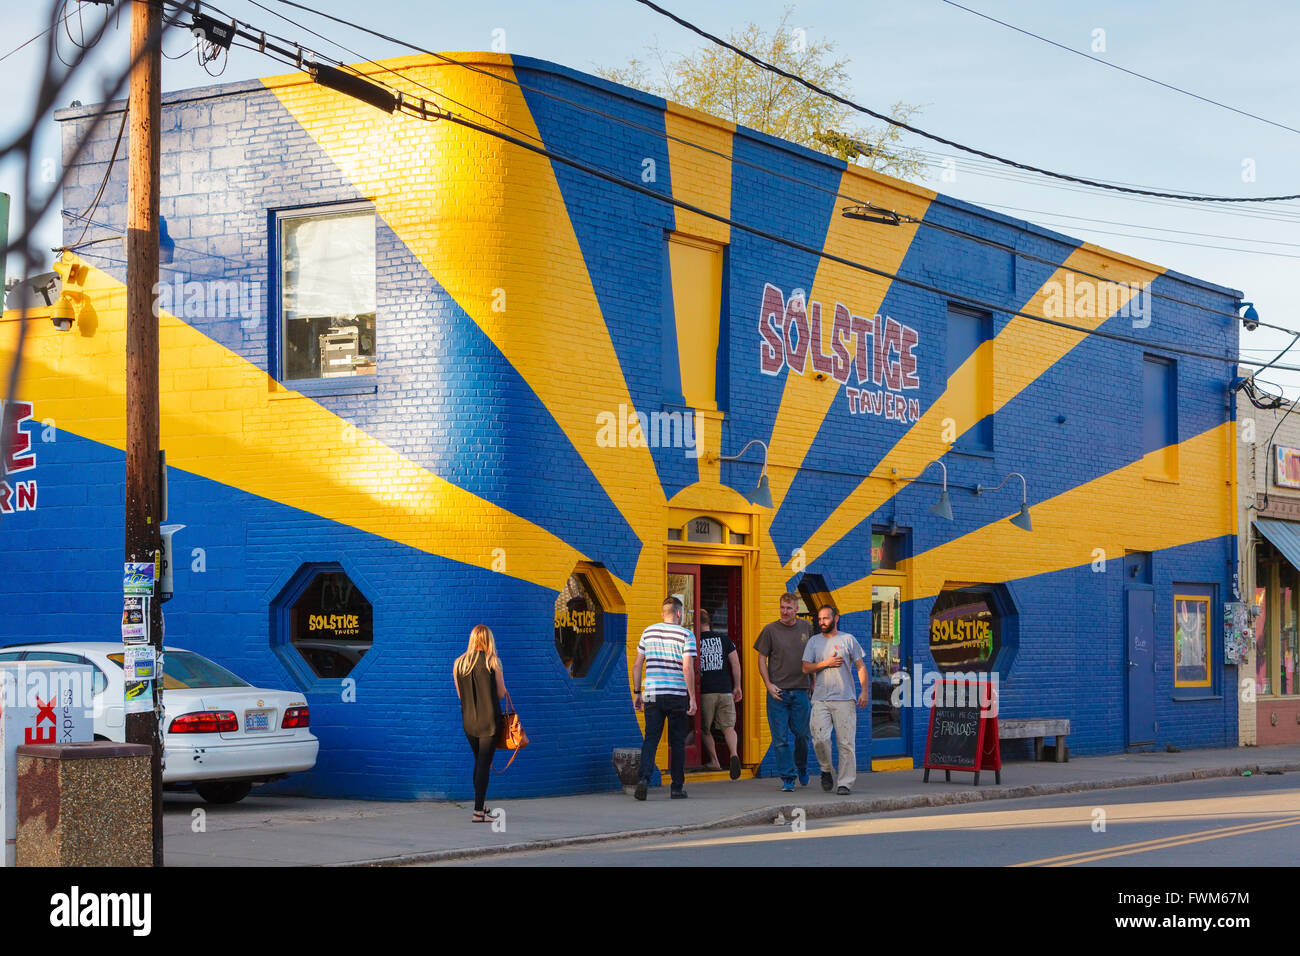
(978, 83)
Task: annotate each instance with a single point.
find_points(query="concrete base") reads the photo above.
(87, 804)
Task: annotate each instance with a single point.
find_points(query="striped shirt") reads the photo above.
(664, 646)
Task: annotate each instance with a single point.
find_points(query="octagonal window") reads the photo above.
(331, 624)
(973, 628)
(579, 624)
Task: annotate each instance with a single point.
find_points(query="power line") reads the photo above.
(52, 26)
(659, 197)
(698, 146)
(794, 244)
(1116, 66)
(1188, 197)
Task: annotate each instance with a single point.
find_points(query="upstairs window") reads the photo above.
(1160, 421)
(968, 330)
(326, 277)
(696, 267)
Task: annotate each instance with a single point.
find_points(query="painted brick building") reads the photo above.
(402, 368)
(1268, 469)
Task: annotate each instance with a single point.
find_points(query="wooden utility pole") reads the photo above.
(143, 492)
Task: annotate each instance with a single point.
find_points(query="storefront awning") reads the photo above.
(1285, 537)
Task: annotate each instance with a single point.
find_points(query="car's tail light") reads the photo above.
(296, 717)
(205, 722)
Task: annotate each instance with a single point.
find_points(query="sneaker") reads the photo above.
(640, 790)
(678, 794)
(842, 791)
(803, 777)
(734, 769)
(787, 786)
(828, 782)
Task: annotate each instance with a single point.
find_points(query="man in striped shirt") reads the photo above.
(668, 652)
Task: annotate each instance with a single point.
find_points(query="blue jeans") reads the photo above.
(672, 709)
(785, 716)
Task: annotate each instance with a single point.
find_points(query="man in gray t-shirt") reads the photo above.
(780, 662)
(829, 657)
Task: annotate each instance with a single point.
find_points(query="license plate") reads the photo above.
(255, 720)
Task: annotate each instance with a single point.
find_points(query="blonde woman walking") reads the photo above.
(480, 685)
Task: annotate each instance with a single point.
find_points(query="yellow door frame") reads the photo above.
(745, 556)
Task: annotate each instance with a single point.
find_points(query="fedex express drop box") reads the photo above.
(40, 703)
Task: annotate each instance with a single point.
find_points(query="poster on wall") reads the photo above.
(1191, 640)
(1238, 632)
(1286, 466)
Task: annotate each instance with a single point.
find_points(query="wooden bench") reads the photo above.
(1037, 728)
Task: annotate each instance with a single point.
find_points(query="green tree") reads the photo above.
(717, 81)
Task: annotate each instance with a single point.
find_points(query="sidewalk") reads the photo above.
(300, 831)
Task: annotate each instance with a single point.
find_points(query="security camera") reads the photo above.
(1250, 321)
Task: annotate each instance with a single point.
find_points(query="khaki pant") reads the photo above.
(843, 716)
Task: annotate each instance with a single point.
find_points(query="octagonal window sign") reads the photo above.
(331, 623)
(579, 624)
(965, 630)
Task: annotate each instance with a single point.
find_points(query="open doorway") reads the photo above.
(714, 589)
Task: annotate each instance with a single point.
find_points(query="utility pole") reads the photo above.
(143, 473)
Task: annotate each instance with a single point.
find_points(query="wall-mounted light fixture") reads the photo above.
(1021, 520)
(942, 507)
(762, 493)
(39, 292)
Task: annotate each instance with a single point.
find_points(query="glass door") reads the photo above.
(891, 722)
(684, 584)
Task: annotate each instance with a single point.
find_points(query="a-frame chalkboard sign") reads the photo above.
(963, 734)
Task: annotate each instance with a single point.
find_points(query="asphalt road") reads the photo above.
(1235, 821)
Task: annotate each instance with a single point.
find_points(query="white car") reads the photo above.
(222, 735)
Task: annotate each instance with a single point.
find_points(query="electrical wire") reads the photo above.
(1116, 66)
(729, 158)
(637, 187)
(53, 26)
(103, 183)
(844, 101)
(863, 267)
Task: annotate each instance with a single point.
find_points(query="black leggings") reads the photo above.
(483, 748)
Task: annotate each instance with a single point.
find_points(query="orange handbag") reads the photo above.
(510, 733)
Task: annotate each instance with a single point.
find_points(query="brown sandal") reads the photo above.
(482, 816)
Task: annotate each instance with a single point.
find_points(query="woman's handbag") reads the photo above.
(510, 733)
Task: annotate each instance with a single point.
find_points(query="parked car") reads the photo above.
(221, 734)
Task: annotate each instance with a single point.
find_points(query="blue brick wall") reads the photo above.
(448, 399)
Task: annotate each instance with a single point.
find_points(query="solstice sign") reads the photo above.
(878, 354)
(965, 630)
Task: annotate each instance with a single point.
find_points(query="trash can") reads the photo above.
(86, 804)
(40, 703)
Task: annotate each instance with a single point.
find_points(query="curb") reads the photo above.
(840, 808)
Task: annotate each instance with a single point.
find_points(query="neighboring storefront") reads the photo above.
(416, 378)
(1269, 477)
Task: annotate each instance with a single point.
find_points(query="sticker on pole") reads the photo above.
(138, 578)
(139, 663)
(135, 619)
(139, 696)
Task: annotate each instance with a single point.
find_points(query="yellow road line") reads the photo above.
(1146, 846)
